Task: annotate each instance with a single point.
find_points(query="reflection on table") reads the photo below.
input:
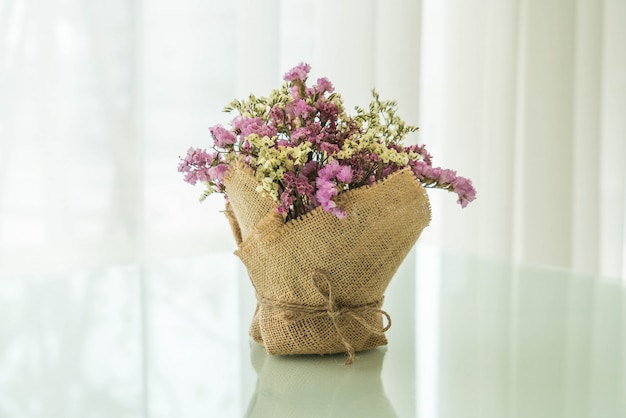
(470, 337)
(318, 386)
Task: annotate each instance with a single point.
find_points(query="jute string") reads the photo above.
(320, 280)
(334, 310)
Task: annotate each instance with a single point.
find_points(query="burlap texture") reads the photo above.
(320, 280)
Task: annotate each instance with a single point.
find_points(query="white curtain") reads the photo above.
(98, 100)
(529, 97)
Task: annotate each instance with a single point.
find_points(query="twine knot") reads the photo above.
(331, 308)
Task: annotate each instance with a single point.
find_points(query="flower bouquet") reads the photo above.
(324, 207)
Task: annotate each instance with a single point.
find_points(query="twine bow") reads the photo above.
(332, 309)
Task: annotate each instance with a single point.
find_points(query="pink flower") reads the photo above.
(298, 108)
(446, 176)
(221, 136)
(247, 126)
(310, 169)
(433, 172)
(344, 174)
(297, 135)
(277, 115)
(324, 86)
(299, 72)
(298, 195)
(329, 148)
(295, 91)
(332, 170)
(464, 189)
(328, 110)
(421, 150)
(445, 179)
(217, 173)
(419, 168)
(327, 189)
(299, 183)
(387, 170)
(196, 165)
(286, 202)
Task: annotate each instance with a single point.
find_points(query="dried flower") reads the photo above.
(305, 149)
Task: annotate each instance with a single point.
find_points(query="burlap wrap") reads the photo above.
(320, 280)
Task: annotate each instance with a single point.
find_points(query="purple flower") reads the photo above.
(222, 137)
(344, 174)
(421, 150)
(419, 168)
(327, 110)
(433, 172)
(324, 86)
(303, 187)
(387, 170)
(217, 173)
(444, 179)
(464, 189)
(296, 91)
(298, 134)
(332, 170)
(329, 148)
(310, 169)
(277, 115)
(297, 196)
(300, 184)
(327, 188)
(247, 126)
(326, 191)
(447, 176)
(299, 72)
(298, 108)
(286, 202)
(196, 165)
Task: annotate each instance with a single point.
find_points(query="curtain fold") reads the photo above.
(586, 131)
(526, 97)
(530, 94)
(69, 184)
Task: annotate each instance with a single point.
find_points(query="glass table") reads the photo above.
(470, 338)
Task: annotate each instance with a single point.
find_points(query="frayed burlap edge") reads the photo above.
(338, 324)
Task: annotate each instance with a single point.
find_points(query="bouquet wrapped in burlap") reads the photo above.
(324, 207)
(320, 280)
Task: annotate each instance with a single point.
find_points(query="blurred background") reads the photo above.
(99, 99)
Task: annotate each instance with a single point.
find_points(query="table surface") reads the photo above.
(470, 338)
